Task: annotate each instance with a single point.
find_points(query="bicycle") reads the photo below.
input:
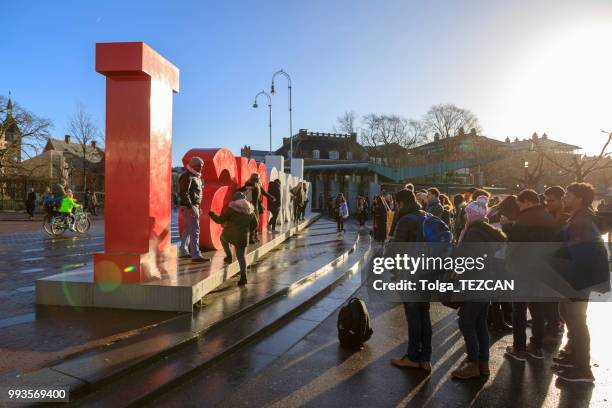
(59, 223)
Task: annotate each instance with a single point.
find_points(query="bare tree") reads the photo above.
(81, 126)
(346, 123)
(32, 132)
(580, 166)
(383, 134)
(447, 119)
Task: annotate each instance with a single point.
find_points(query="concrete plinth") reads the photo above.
(178, 292)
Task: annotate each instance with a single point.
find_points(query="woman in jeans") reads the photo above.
(238, 219)
(473, 315)
(418, 354)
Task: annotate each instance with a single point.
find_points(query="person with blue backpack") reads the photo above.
(416, 225)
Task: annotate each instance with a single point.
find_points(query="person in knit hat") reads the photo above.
(190, 196)
(473, 315)
(238, 220)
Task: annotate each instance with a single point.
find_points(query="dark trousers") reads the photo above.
(340, 222)
(551, 317)
(273, 219)
(419, 331)
(253, 229)
(240, 251)
(579, 338)
(475, 331)
(30, 208)
(519, 324)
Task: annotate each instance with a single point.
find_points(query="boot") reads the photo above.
(243, 279)
(466, 370)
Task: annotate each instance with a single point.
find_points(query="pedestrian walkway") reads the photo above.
(36, 339)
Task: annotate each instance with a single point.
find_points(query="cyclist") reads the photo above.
(66, 207)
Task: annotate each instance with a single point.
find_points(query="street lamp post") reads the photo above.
(272, 91)
(269, 113)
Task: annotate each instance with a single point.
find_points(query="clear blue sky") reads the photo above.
(512, 63)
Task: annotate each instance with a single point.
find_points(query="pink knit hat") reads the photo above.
(477, 209)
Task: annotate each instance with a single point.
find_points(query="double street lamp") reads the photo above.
(272, 91)
(269, 113)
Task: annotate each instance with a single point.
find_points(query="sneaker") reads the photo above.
(515, 354)
(405, 362)
(242, 282)
(483, 367)
(199, 260)
(584, 375)
(466, 370)
(186, 255)
(534, 352)
(564, 361)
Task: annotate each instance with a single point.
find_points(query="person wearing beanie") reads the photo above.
(473, 315)
(190, 197)
(237, 219)
(418, 355)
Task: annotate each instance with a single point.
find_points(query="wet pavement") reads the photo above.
(316, 372)
(33, 337)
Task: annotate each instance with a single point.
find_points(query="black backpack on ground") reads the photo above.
(354, 324)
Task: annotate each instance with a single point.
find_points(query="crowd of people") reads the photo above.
(557, 215)
(240, 218)
(562, 215)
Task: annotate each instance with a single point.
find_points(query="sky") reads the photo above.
(521, 66)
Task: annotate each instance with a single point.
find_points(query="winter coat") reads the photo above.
(67, 205)
(237, 219)
(256, 195)
(406, 227)
(190, 190)
(58, 191)
(274, 190)
(586, 252)
(533, 224)
(435, 208)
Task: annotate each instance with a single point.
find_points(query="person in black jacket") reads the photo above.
(190, 196)
(534, 224)
(418, 354)
(254, 191)
(473, 315)
(274, 188)
(589, 270)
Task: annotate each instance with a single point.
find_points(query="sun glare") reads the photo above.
(563, 88)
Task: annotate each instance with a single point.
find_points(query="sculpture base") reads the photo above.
(177, 291)
(135, 268)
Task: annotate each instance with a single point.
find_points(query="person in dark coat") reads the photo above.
(588, 271)
(274, 188)
(473, 315)
(254, 192)
(237, 219)
(190, 194)
(379, 212)
(362, 210)
(59, 189)
(534, 224)
(31, 203)
(418, 354)
(433, 202)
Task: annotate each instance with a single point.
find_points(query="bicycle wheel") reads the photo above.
(82, 224)
(47, 225)
(58, 226)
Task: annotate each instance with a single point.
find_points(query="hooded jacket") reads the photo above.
(237, 219)
(190, 189)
